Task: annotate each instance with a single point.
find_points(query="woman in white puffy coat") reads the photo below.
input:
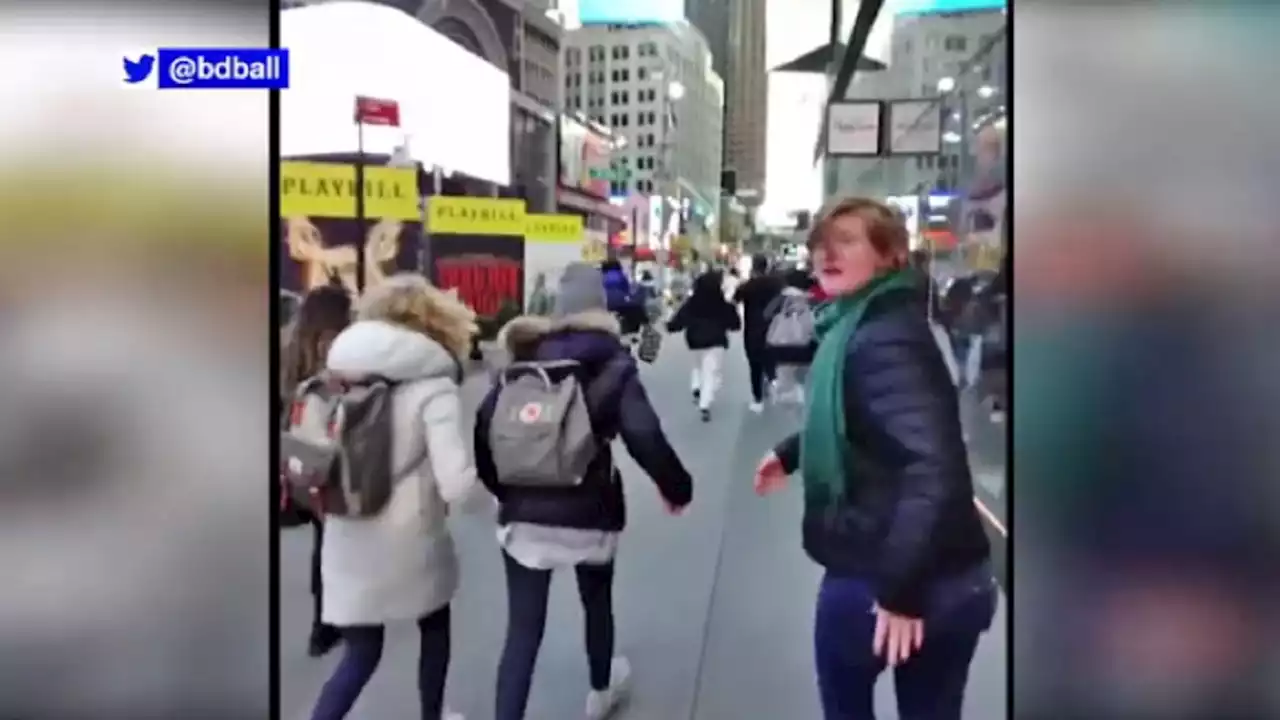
(401, 565)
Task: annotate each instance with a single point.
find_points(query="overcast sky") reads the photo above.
(795, 100)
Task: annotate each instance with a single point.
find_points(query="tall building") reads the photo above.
(735, 32)
(621, 76)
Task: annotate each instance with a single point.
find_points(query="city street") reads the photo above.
(714, 609)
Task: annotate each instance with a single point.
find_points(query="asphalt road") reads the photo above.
(714, 609)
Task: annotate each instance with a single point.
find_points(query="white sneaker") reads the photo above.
(602, 703)
(756, 407)
(451, 715)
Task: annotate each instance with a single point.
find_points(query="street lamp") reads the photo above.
(673, 92)
(947, 86)
(986, 92)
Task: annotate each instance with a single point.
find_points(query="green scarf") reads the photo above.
(826, 458)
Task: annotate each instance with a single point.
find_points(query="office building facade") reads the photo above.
(735, 32)
(620, 77)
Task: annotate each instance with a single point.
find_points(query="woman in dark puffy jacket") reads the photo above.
(322, 314)
(889, 508)
(706, 318)
(544, 529)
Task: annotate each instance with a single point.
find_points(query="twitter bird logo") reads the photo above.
(135, 71)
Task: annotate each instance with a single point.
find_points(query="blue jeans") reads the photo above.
(362, 651)
(929, 686)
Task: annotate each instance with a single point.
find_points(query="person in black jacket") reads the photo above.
(889, 507)
(706, 319)
(756, 295)
(322, 314)
(541, 529)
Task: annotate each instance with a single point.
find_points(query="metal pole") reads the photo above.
(425, 258)
(663, 253)
(965, 150)
(635, 238)
(361, 237)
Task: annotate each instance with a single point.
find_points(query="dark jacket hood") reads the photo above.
(590, 336)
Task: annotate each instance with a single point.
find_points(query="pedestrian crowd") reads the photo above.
(375, 461)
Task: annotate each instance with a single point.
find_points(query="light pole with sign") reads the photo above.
(368, 111)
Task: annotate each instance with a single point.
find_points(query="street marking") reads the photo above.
(991, 517)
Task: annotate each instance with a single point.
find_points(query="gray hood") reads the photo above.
(373, 347)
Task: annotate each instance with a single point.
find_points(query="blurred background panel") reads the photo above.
(1144, 389)
(134, 304)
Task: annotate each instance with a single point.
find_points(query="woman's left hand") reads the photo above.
(897, 637)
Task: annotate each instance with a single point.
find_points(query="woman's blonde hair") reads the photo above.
(886, 227)
(409, 301)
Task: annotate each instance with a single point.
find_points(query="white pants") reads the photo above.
(791, 379)
(706, 374)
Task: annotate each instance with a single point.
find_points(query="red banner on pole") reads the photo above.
(377, 111)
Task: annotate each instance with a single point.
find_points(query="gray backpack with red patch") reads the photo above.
(542, 434)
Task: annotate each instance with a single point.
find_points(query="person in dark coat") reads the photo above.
(755, 296)
(706, 319)
(323, 313)
(541, 529)
(889, 505)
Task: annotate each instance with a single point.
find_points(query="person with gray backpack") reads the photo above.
(790, 338)
(542, 447)
(375, 446)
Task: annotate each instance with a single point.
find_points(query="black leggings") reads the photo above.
(762, 370)
(527, 592)
(362, 651)
(317, 584)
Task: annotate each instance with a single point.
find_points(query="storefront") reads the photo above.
(585, 153)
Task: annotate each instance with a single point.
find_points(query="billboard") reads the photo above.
(584, 159)
(344, 49)
(321, 235)
(629, 12)
(477, 250)
(928, 7)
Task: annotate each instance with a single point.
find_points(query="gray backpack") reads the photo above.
(336, 447)
(792, 326)
(542, 434)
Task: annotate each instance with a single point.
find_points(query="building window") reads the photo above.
(626, 75)
(626, 97)
(595, 53)
(613, 97)
(626, 117)
(614, 76)
(650, 139)
(642, 73)
(955, 43)
(653, 119)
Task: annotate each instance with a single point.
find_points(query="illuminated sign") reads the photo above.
(630, 12)
(475, 216)
(930, 7)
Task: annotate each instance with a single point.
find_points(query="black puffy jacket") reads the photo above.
(909, 519)
(591, 338)
(706, 318)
